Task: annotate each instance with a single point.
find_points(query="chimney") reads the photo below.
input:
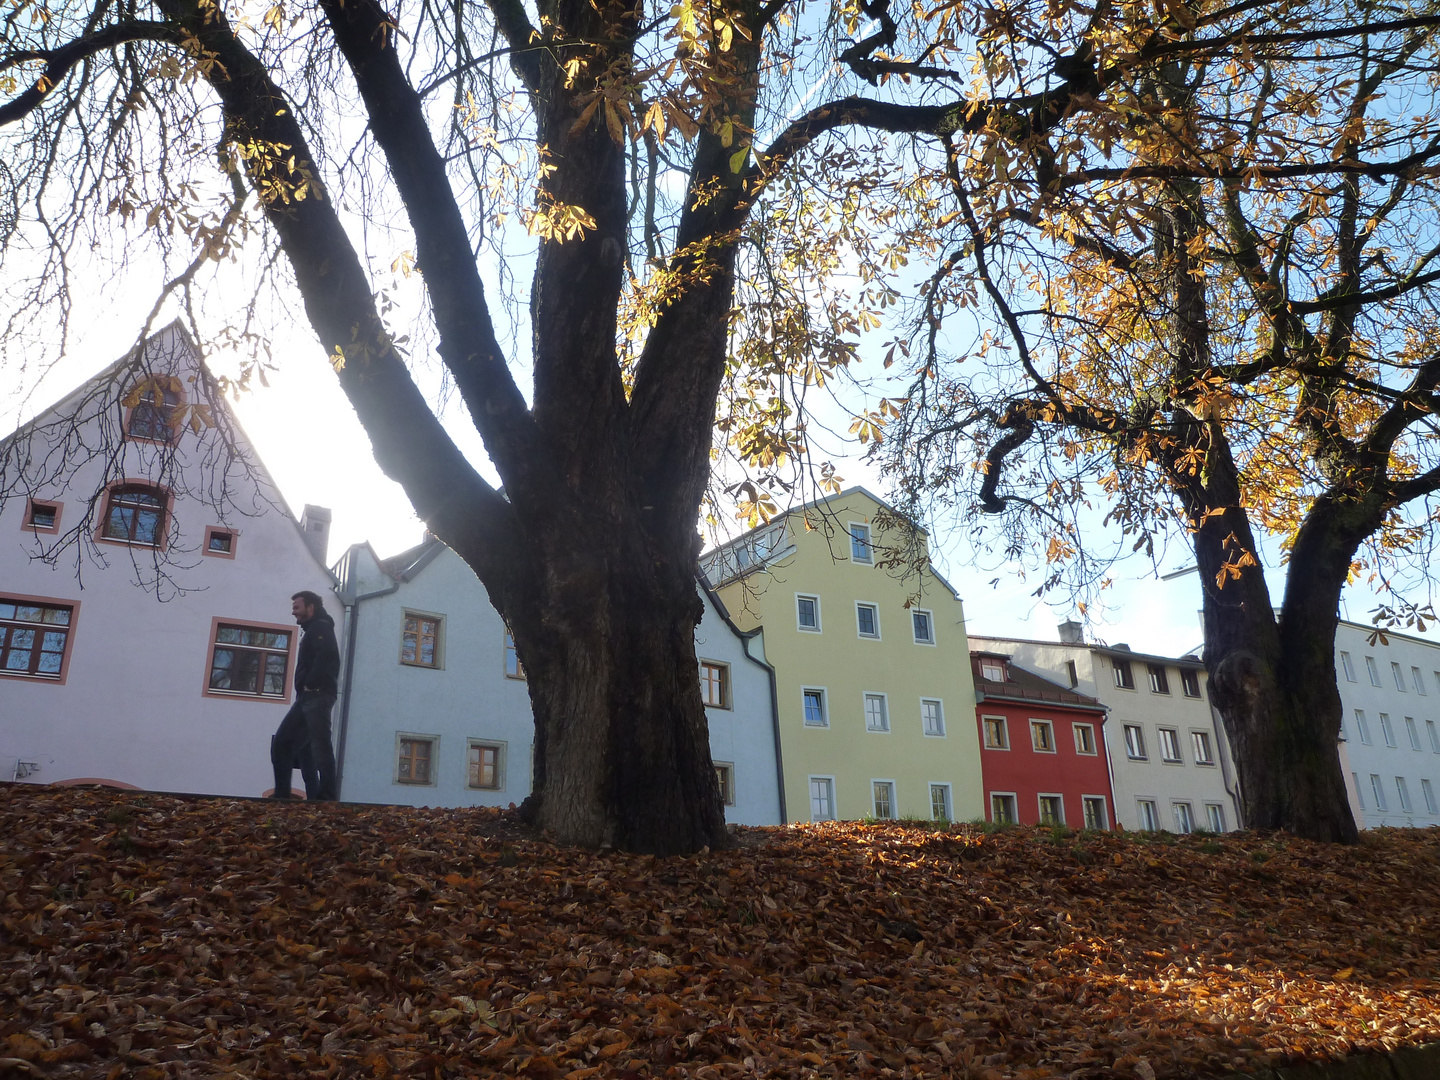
(315, 524)
(1072, 632)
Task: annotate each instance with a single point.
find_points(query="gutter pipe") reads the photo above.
(351, 604)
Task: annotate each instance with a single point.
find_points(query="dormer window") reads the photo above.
(992, 670)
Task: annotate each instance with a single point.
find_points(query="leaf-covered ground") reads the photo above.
(145, 935)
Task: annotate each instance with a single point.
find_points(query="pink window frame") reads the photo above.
(49, 601)
(28, 524)
(130, 413)
(108, 494)
(211, 530)
(279, 628)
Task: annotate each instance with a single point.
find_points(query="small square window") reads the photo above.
(1159, 682)
(1052, 810)
(867, 620)
(807, 613)
(1149, 815)
(932, 716)
(877, 713)
(1204, 755)
(1215, 817)
(923, 625)
(813, 700)
(41, 517)
(1002, 809)
(514, 669)
(1134, 742)
(725, 782)
(860, 549)
(414, 759)
(1170, 745)
(992, 670)
(1085, 739)
(883, 796)
(1124, 678)
(219, 543)
(1042, 736)
(1347, 668)
(940, 803)
(1096, 818)
(1184, 818)
(715, 684)
(420, 640)
(822, 798)
(996, 735)
(486, 769)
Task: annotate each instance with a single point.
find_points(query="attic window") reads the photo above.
(153, 404)
(219, 542)
(42, 517)
(992, 670)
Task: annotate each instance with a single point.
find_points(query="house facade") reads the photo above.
(1042, 748)
(145, 630)
(435, 709)
(1390, 725)
(1170, 762)
(875, 696)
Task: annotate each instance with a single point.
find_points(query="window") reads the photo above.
(877, 715)
(1214, 817)
(1170, 745)
(1403, 790)
(1359, 795)
(813, 701)
(1429, 793)
(1002, 809)
(1343, 737)
(1184, 817)
(860, 550)
(822, 798)
(923, 625)
(1042, 736)
(996, 735)
(1398, 676)
(992, 670)
(1378, 790)
(867, 620)
(1437, 680)
(486, 768)
(420, 640)
(1190, 682)
(1095, 816)
(1123, 677)
(940, 802)
(1362, 726)
(1073, 673)
(1134, 742)
(1418, 680)
(41, 517)
(249, 661)
(153, 411)
(715, 684)
(514, 669)
(1149, 816)
(1346, 667)
(932, 716)
(1052, 810)
(134, 514)
(807, 613)
(725, 782)
(414, 759)
(1085, 739)
(1434, 736)
(1386, 730)
(1372, 670)
(34, 638)
(1203, 753)
(1159, 683)
(219, 543)
(882, 794)
(1412, 731)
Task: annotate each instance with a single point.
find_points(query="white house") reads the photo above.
(1390, 728)
(1170, 762)
(146, 567)
(435, 711)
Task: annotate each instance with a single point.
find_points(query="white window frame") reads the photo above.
(1148, 807)
(1373, 670)
(805, 721)
(995, 666)
(929, 620)
(1428, 791)
(1398, 674)
(868, 696)
(428, 616)
(1377, 789)
(434, 741)
(1176, 806)
(726, 692)
(1215, 817)
(1135, 750)
(1121, 669)
(1014, 807)
(1402, 789)
(1049, 726)
(1387, 729)
(502, 752)
(1004, 731)
(875, 612)
(1086, 801)
(1040, 797)
(508, 641)
(939, 715)
(1200, 739)
(1346, 667)
(1434, 733)
(1418, 678)
(932, 788)
(727, 787)
(1412, 732)
(1159, 678)
(801, 626)
(829, 788)
(1362, 726)
(1089, 729)
(874, 805)
(1359, 791)
(1179, 756)
(865, 542)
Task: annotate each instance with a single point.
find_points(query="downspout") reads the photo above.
(1224, 745)
(352, 617)
(774, 718)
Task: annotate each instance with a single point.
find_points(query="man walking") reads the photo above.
(305, 731)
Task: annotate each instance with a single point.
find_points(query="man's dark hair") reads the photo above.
(311, 600)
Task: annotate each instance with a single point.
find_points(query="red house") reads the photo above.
(1042, 748)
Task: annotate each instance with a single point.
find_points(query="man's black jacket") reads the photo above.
(318, 666)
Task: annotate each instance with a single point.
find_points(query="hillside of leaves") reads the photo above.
(146, 936)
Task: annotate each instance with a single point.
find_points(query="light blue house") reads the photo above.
(435, 710)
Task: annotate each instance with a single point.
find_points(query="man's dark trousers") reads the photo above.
(305, 727)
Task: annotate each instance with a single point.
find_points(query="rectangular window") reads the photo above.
(860, 549)
(1042, 736)
(249, 661)
(219, 543)
(1372, 670)
(1085, 739)
(1362, 726)
(1346, 667)
(877, 714)
(41, 517)
(1134, 742)
(1403, 790)
(1073, 672)
(135, 514)
(997, 737)
(514, 669)
(992, 670)
(1418, 680)
(1124, 679)
(1398, 676)
(34, 638)
(1386, 730)
(1359, 793)
(1190, 682)
(1343, 736)
(1170, 745)
(1413, 732)
(414, 759)
(813, 700)
(940, 802)
(1434, 736)
(1184, 817)
(1159, 683)
(923, 625)
(1096, 818)
(822, 798)
(1429, 793)
(882, 794)
(1002, 809)
(867, 620)
(725, 782)
(1149, 815)
(715, 684)
(932, 716)
(420, 640)
(1214, 817)
(486, 767)
(807, 613)
(1204, 755)
(1377, 789)
(1052, 810)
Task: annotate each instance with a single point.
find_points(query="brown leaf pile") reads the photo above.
(145, 936)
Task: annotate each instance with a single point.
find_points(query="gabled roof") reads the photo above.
(407, 564)
(1187, 661)
(1025, 685)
